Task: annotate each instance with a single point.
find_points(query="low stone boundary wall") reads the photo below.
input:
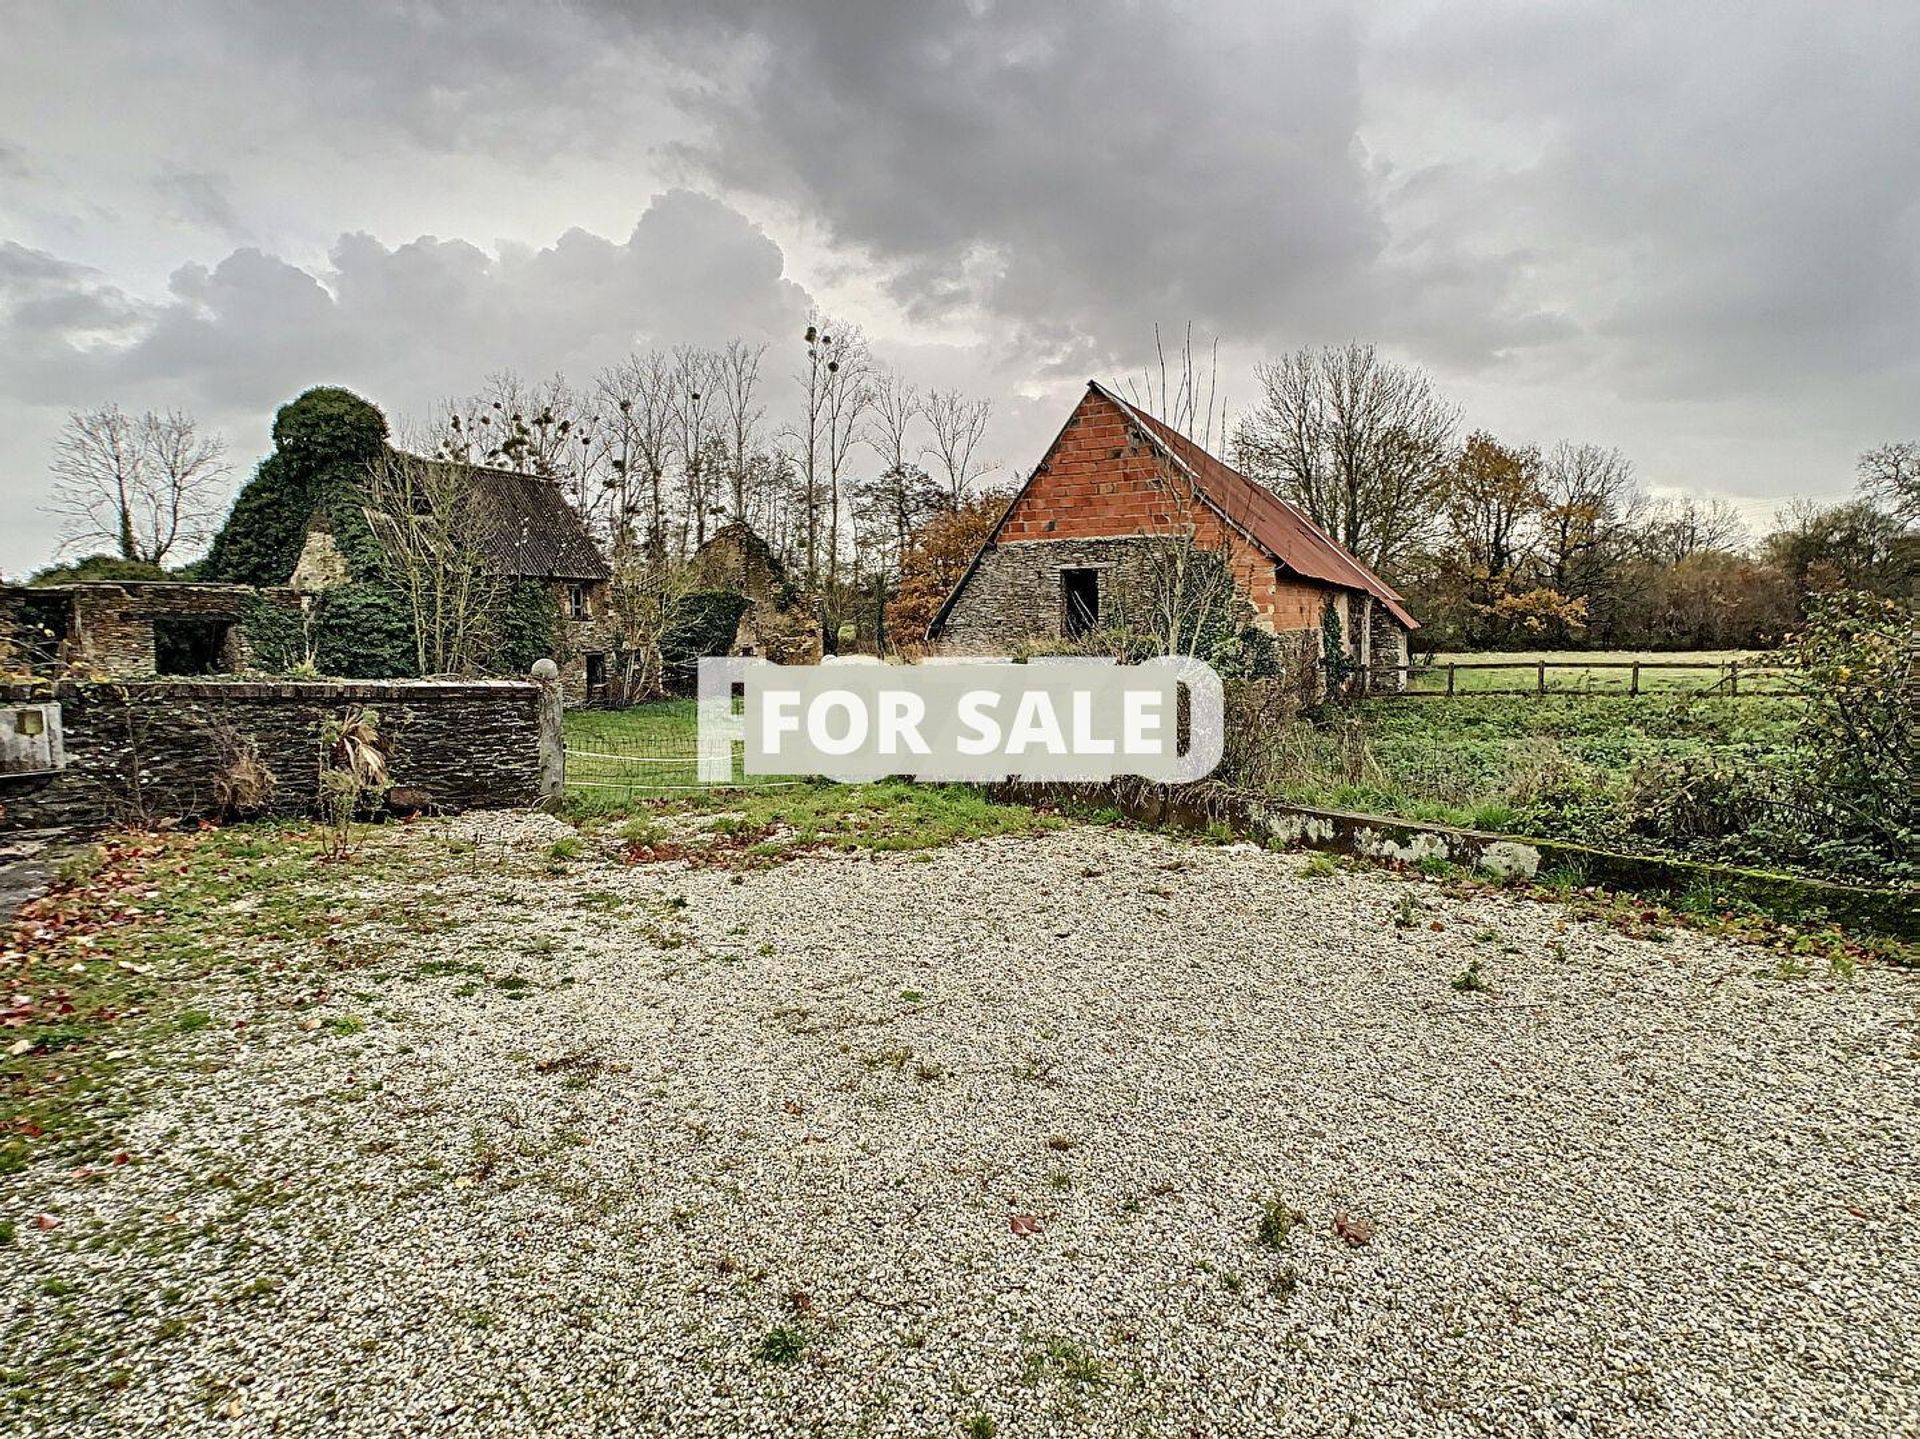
(1255, 816)
(142, 751)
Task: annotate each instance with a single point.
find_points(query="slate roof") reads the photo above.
(532, 532)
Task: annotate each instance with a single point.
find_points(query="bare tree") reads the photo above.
(1890, 476)
(1677, 529)
(432, 534)
(636, 398)
(736, 375)
(695, 378)
(849, 392)
(543, 429)
(901, 497)
(1360, 443)
(959, 426)
(805, 437)
(1590, 496)
(146, 486)
(1190, 593)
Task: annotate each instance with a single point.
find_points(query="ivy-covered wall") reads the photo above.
(324, 442)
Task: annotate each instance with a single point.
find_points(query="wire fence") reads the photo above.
(648, 749)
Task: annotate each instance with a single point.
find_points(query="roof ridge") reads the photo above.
(1349, 571)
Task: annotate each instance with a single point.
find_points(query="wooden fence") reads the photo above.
(1634, 677)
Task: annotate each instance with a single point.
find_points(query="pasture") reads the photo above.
(1595, 672)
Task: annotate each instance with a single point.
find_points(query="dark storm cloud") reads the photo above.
(1690, 231)
(1088, 166)
(1731, 193)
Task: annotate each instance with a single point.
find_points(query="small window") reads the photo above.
(1080, 596)
(577, 605)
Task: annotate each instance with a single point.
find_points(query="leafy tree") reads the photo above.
(942, 549)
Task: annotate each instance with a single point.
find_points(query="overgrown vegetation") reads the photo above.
(1821, 780)
(416, 603)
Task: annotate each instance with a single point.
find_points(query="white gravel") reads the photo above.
(1638, 1188)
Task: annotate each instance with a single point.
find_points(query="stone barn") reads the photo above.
(1075, 549)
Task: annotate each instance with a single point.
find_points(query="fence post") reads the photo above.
(553, 735)
(1540, 678)
(1449, 678)
(1633, 683)
(1733, 677)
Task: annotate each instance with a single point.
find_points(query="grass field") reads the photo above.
(1562, 765)
(646, 748)
(1596, 671)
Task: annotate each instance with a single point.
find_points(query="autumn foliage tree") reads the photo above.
(938, 556)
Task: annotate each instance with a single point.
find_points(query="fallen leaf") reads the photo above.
(1350, 1227)
(1023, 1224)
(20, 1047)
(46, 1221)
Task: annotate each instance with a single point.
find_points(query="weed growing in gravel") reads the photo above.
(784, 1344)
(1278, 1219)
(567, 847)
(979, 1426)
(1406, 914)
(1470, 980)
(1066, 1361)
(759, 827)
(1321, 866)
(1059, 1180)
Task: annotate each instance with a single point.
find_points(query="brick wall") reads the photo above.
(1099, 495)
(155, 747)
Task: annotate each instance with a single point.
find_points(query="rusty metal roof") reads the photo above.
(1277, 527)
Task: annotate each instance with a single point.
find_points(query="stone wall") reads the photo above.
(154, 750)
(1388, 647)
(1015, 593)
(107, 628)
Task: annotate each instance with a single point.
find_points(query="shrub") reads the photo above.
(1857, 748)
(703, 624)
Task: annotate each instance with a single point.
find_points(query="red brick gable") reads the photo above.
(1096, 481)
(1114, 473)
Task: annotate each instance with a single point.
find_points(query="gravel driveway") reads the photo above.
(1093, 1133)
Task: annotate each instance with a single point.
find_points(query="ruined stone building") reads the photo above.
(529, 532)
(1076, 549)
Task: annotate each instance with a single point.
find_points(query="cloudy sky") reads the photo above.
(1691, 231)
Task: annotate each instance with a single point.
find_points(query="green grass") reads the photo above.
(1562, 766)
(649, 750)
(1656, 672)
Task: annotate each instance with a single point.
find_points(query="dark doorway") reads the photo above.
(1080, 592)
(596, 677)
(190, 647)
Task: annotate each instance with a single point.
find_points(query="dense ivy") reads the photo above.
(529, 625)
(362, 631)
(323, 444)
(704, 623)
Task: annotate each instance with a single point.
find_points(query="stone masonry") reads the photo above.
(151, 751)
